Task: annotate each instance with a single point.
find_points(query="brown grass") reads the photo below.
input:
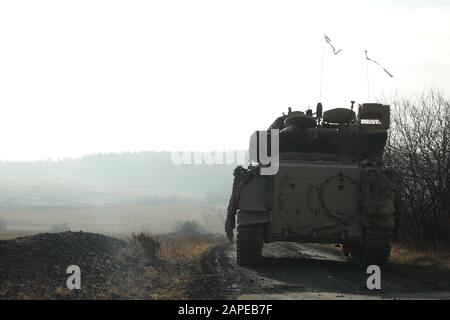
(183, 253)
(184, 249)
(406, 255)
(162, 267)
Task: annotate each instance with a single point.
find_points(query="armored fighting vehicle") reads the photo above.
(330, 186)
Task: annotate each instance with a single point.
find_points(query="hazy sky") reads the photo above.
(79, 77)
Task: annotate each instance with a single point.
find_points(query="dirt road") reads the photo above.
(299, 271)
(185, 267)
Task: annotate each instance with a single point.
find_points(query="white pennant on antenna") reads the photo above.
(390, 74)
(328, 40)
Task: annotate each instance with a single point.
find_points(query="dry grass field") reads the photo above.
(408, 255)
(111, 220)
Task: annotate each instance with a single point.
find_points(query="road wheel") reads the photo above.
(375, 253)
(370, 253)
(354, 253)
(346, 250)
(249, 245)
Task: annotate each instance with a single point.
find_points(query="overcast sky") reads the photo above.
(80, 77)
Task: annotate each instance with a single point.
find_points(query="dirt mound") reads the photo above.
(37, 264)
(144, 267)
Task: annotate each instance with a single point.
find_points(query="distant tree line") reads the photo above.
(151, 169)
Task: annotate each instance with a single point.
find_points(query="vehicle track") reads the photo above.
(309, 271)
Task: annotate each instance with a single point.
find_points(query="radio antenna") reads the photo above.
(321, 72)
(367, 67)
(327, 40)
(368, 81)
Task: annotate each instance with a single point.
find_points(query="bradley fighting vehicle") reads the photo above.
(330, 186)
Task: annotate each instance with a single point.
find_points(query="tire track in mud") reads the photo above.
(218, 277)
(304, 271)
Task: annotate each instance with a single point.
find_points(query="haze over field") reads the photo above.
(78, 78)
(112, 193)
(115, 178)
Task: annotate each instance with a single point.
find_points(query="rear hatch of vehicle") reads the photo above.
(316, 200)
